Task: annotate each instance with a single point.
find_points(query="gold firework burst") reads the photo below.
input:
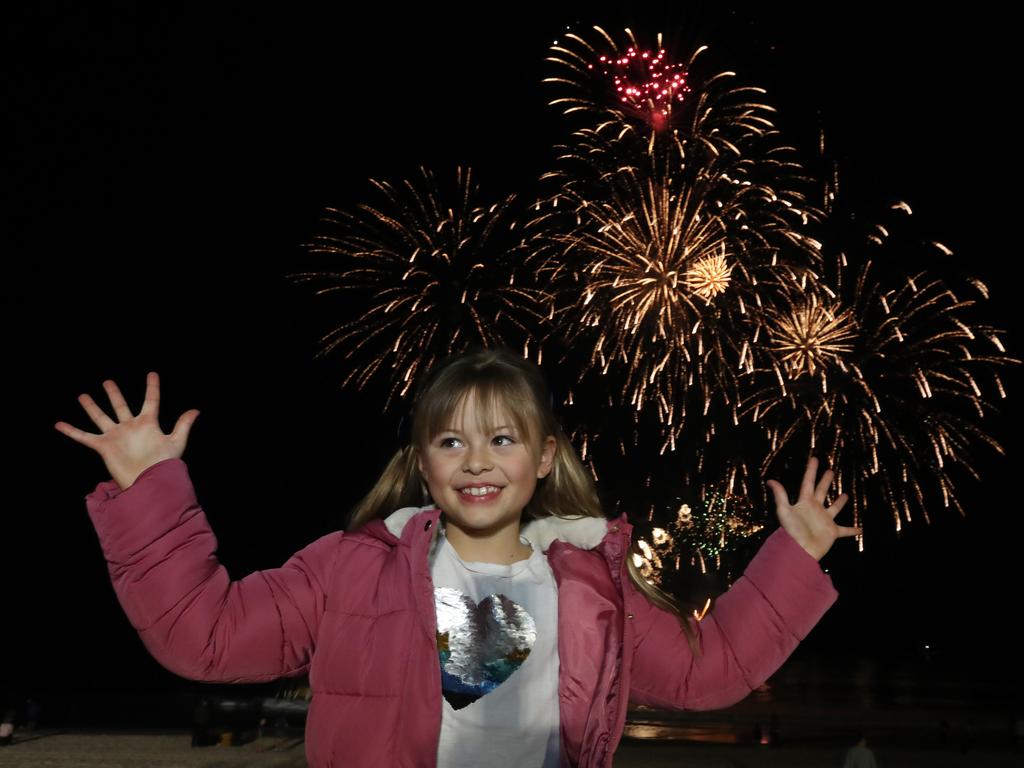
(428, 273)
(811, 336)
(890, 407)
(663, 272)
(709, 276)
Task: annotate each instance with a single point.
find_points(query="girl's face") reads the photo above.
(482, 478)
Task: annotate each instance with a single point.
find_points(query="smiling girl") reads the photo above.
(502, 623)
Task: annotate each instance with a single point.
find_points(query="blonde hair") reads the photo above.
(501, 381)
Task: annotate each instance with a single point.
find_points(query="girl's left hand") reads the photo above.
(809, 521)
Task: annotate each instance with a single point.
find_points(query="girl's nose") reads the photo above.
(476, 461)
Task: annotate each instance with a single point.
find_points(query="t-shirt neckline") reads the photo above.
(492, 569)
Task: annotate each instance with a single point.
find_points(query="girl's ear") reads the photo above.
(547, 456)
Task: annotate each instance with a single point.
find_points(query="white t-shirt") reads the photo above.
(497, 628)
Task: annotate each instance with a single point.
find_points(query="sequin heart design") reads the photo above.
(480, 645)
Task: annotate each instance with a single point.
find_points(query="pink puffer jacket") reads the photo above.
(356, 611)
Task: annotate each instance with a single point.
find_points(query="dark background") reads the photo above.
(167, 164)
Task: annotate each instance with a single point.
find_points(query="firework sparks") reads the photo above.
(664, 247)
(645, 83)
(716, 525)
(677, 272)
(663, 269)
(637, 86)
(812, 335)
(888, 402)
(709, 277)
(704, 533)
(424, 276)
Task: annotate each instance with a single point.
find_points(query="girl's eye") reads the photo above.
(449, 442)
(509, 440)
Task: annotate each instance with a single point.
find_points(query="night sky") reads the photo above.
(168, 164)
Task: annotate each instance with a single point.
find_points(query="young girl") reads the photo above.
(500, 623)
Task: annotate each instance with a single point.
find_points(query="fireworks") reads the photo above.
(716, 525)
(884, 384)
(705, 531)
(810, 336)
(645, 83)
(670, 266)
(621, 80)
(664, 247)
(709, 276)
(646, 90)
(662, 261)
(424, 276)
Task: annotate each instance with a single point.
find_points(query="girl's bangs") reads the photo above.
(497, 399)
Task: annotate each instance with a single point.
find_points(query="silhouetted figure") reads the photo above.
(201, 718)
(32, 711)
(859, 756)
(970, 736)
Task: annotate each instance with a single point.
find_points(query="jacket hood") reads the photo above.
(583, 532)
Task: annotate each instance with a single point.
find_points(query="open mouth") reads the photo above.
(480, 493)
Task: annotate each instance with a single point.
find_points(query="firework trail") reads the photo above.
(884, 378)
(425, 274)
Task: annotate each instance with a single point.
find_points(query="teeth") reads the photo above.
(480, 491)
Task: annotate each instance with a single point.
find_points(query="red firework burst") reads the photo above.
(645, 83)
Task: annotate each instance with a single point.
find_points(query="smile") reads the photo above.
(480, 493)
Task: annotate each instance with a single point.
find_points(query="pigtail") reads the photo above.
(662, 599)
(568, 491)
(399, 485)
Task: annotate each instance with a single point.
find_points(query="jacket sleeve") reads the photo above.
(195, 621)
(751, 631)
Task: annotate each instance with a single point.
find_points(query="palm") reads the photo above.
(809, 521)
(131, 443)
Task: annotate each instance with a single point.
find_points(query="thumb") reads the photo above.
(781, 499)
(184, 424)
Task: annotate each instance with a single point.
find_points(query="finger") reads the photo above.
(99, 418)
(807, 486)
(184, 425)
(85, 438)
(117, 401)
(151, 405)
(843, 530)
(822, 488)
(838, 504)
(781, 498)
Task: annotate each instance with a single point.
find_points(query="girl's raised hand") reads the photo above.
(131, 443)
(809, 521)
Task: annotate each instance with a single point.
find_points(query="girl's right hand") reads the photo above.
(131, 444)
